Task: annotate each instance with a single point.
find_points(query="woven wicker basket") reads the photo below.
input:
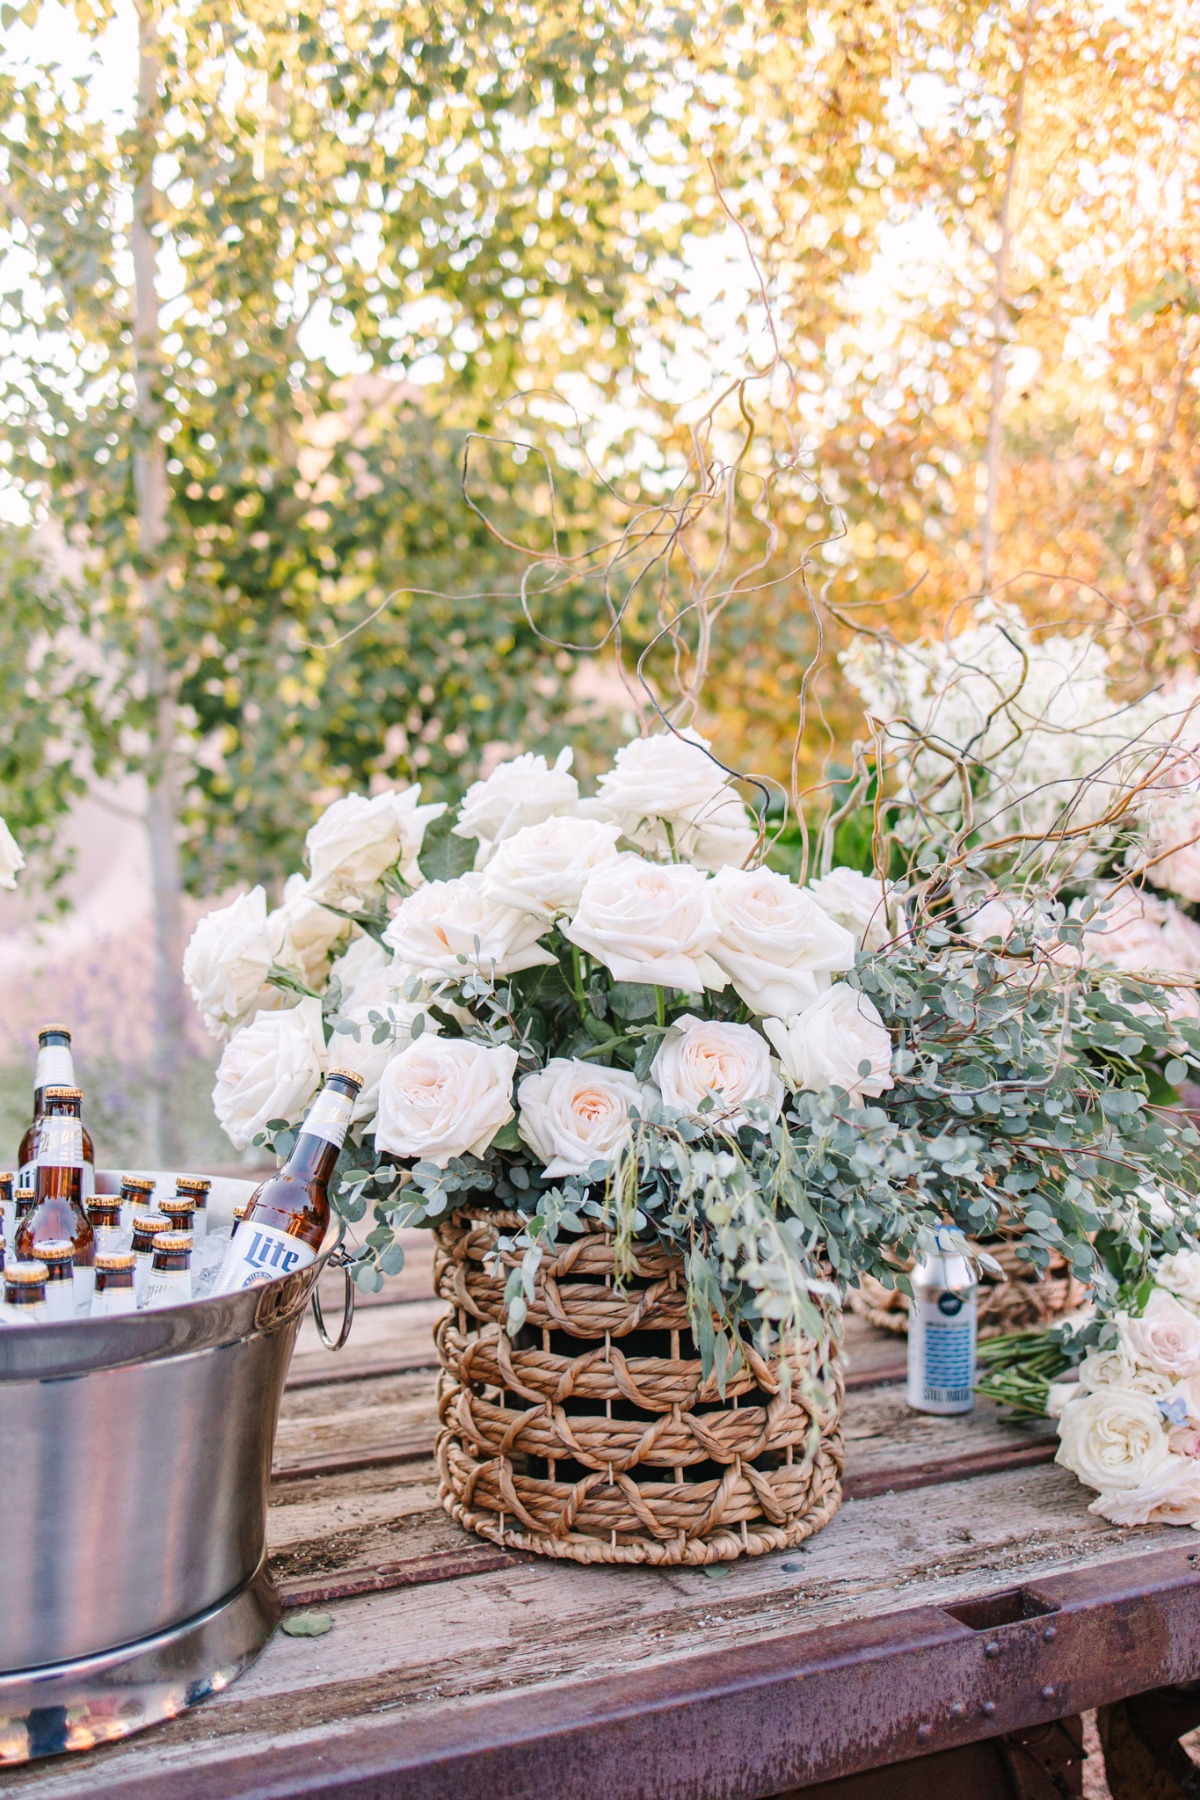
(1024, 1300)
(593, 1437)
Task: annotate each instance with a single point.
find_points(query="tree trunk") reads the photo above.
(150, 479)
(998, 371)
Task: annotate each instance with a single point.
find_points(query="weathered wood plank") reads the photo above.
(386, 1340)
(516, 1629)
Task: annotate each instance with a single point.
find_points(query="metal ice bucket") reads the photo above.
(135, 1460)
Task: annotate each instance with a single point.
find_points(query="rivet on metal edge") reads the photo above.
(1050, 1633)
(989, 1707)
(924, 1731)
(991, 1649)
(957, 1710)
(1047, 1693)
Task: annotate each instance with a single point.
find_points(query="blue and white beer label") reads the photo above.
(261, 1253)
(941, 1350)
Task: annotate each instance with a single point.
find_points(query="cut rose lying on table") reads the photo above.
(606, 1008)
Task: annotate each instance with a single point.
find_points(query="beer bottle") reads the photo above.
(137, 1195)
(239, 1213)
(58, 1203)
(24, 1293)
(55, 1068)
(288, 1214)
(8, 1208)
(57, 1253)
(179, 1212)
(170, 1280)
(195, 1188)
(145, 1230)
(104, 1213)
(22, 1207)
(114, 1283)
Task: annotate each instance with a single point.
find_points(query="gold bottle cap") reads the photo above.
(173, 1240)
(242, 1212)
(25, 1274)
(192, 1184)
(178, 1207)
(109, 1202)
(4, 1178)
(141, 1184)
(151, 1222)
(55, 1250)
(109, 1260)
(54, 1031)
(64, 1093)
(346, 1075)
(26, 1193)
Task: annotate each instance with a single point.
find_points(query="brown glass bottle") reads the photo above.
(196, 1189)
(58, 1192)
(55, 1068)
(288, 1216)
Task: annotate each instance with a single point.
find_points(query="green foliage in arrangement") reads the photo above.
(1021, 1098)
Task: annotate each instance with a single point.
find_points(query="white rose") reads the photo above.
(671, 798)
(1112, 1440)
(305, 932)
(823, 1046)
(356, 840)
(227, 962)
(1059, 1396)
(1113, 1368)
(1167, 1336)
(857, 902)
(442, 920)
(371, 1058)
(649, 923)
(1170, 1495)
(572, 1114)
(517, 793)
(444, 1097)
(1180, 1274)
(365, 969)
(270, 1070)
(11, 860)
(706, 1059)
(775, 940)
(542, 868)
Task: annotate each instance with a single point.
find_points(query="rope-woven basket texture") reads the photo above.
(593, 1436)
(1024, 1300)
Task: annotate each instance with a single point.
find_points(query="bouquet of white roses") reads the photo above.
(608, 1009)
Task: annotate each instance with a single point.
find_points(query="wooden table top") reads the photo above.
(457, 1668)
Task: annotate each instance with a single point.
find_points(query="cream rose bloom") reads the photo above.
(668, 795)
(1170, 1495)
(1112, 1440)
(775, 941)
(573, 1114)
(856, 902)
(441, 921)
(227, 961)
(1167, 1336)
(365, 969)
(305, 932)
(650, 923)
(444, 1097)
(1180, 1274)
(1059, 1396)
(523, 791)
(542, 868)
(270, 1070)
(368, 1057)
(707, 1059)
(356, 840)
(823, 1046)
(11, 860)
(1112, 1368)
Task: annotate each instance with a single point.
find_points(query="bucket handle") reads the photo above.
(338, 1260)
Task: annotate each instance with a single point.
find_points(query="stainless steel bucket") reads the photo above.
(135, 1460)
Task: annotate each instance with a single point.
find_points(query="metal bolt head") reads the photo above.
(992, 1649)
(1047, 1693)
(924, 1731)
(957, 1710)
(1050, 1633)
(989, 1707)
